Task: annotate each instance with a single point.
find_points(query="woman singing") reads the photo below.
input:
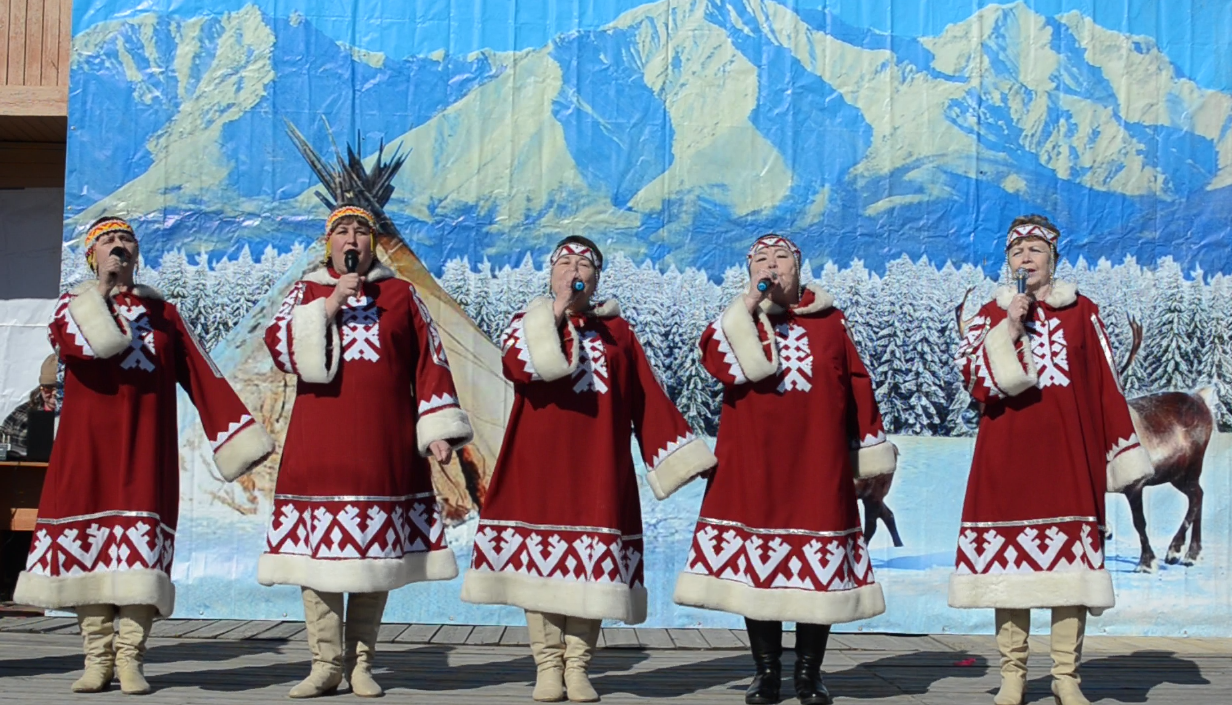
(1055, 435)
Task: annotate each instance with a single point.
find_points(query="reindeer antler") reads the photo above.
(958, 312)
(1135, 345)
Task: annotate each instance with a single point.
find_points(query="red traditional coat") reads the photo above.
(561, 530)
(106, 526)
(354, 509)
(1055, 435)
(778, 536)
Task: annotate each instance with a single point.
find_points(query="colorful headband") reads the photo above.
(772, 240)
(1032, 230)
(348, 212)
(108, 225)
(575, 248)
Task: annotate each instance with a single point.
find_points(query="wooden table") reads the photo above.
(21, 485)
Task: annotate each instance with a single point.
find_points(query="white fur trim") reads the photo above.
(680, 467)
(450, 425)
(1061, 295)
(779, 604)
(1129, 467)
(874, 460)
(105, 336)
(588, 600)
(376, 273)
(610, 308)
(1003, 363)
(544, 343)
(1020, 591)
(309, 328)
(140, 586)
(356, 574)
(141, 291)
(740, 329)
(243, 451)
(822, 300)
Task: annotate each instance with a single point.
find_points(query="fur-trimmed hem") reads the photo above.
(740, 329)
(678, 469)
(1129, 467)
(377, 272)
(1061, 295)
(106, 336)
(309, 328)
(779, 604)
(451, 425)
(588, 600)
(544, 344)
(141, 586)
(1007, 370)
(880, 459)
(1019, 591)
(356, 574)
(243, 451)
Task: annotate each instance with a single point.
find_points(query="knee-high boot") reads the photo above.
(323, 616)
(1069, 626)
(811, 640)
(547, 646)
(135, 622)
(1013, 628)
(581, 638)
(363, 625)
(97, 624)
(766, 643)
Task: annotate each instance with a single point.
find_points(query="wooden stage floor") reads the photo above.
(205, 661)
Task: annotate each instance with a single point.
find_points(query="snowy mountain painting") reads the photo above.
(673, 133)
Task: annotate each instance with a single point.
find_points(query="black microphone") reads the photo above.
(351, 258)
(120, 253)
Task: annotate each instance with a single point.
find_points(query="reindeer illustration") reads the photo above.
(1175, 429)
(872, 492)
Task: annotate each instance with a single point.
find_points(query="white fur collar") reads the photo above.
(141, 291)
(1063, 294)
(608, 308)
(822, 300)
(376, 273)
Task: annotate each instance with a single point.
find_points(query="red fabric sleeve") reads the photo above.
(279, 333)
(440, 416)
(1127, 459)
(992, 365)
(873, 454)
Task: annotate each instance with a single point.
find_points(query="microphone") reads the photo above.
(120, 253)
(351, 259)
(765, 284)
(579, 286)
(1021, 276)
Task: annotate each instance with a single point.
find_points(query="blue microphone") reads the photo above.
(763, 285)
(579, 286)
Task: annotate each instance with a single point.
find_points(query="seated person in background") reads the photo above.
(43, 398)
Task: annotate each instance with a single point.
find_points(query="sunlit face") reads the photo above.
(47, 393)
(349, 234)
(1033, 255)
(571, 268)
(106, 243)
(780, 264)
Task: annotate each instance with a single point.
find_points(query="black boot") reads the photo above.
(766, 643)
(810, 650)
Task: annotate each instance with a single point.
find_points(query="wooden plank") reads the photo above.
(741, 636)
(621, 638)
(389, 632)
(485, 636)
(49, 67)
(4, 44)
(17, 43)
(218, 629)
(418, 634)
(515, 636)
(34, 42)
(654, 638)
(65, 46)
(452, 634)
(249, 629)
(34, 100)
(721, 639)
(27, 624)
(54, 623)
(688, 639)
(281, 632)
(19, 519)
(176, 628)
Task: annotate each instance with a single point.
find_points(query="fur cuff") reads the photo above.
(680, 467)
(451, 425)
(544, 343)
(1007, 371)
(105, 336)
(309, 328)
(243, 451)
(356, 574)
(740, 329)
(573, 598)
(779, 604)
(1021, 591)
(140, 586)
(1129, 467)
(871, 461)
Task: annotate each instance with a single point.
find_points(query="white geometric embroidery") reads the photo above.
(591, 373)
(1049, 349)
(229, 431)
(565, 554)
(434, 337)
(1066, 545)
(972, 352)
(70, 326)
(671, 448)
(795, 358)
(515, 337)
(282, 321)
(361, 328)
(729, 355)
(763, 559)
(436, 402)
(143, 338)
(1122, 445)
(390, 527)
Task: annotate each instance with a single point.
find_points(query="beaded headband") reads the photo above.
(1032, 230)
(100, 228)
(348, 212)
(575, 248)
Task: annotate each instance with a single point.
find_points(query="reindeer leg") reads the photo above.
(888, 517)
(1178, 541)
(871, 511)
(1195, 519)
(1146, 564)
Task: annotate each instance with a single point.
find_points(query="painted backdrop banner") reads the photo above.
(894, 142)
